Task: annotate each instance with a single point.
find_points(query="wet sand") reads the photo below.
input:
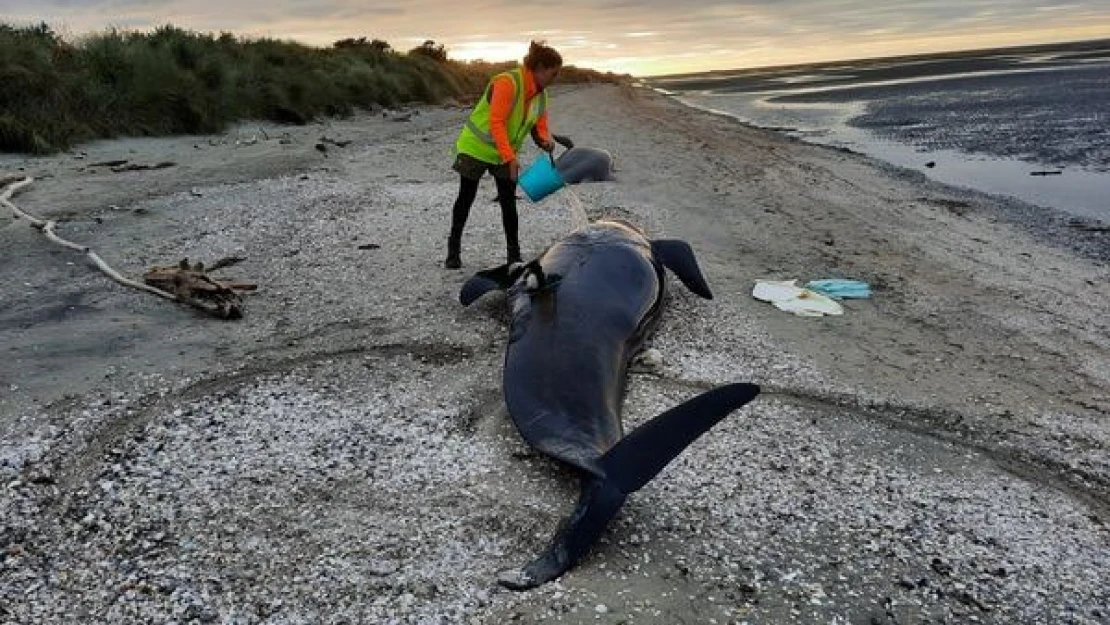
(341, 454)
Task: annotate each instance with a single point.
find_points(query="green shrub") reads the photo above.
(54, 94)
(17, 136)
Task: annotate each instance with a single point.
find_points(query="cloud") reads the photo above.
(597, 31)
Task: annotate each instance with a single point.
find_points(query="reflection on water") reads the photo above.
(1031, 126)
(1077, 190)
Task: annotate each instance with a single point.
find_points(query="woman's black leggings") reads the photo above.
(506, 195)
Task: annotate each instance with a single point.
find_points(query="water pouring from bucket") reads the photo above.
(542, 178)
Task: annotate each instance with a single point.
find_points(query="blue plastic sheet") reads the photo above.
(841, 289)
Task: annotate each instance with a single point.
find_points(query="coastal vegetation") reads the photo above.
(55, 93)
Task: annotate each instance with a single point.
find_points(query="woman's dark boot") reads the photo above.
(454, 259)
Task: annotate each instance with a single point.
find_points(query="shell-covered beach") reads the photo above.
(940, 453)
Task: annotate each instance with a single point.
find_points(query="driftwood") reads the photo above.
(212, 300)
(139, 167)
(192, 283)
(122, 165)
(1090, 225)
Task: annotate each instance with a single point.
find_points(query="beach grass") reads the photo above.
(56, 93)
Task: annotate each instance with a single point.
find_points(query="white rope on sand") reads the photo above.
(47, 229)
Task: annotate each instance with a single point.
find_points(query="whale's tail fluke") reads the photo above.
(598, 503)
(627, 467)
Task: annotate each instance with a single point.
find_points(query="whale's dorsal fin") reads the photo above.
(678, 257)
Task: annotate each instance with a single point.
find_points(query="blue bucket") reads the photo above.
(541, 179)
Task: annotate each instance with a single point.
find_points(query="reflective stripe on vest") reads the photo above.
(476, 139)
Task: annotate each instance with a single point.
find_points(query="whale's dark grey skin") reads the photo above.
(580, 313)
(585, 165)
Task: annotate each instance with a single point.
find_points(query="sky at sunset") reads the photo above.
(641, 37)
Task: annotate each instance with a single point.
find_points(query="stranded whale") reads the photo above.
(585, 165)
(580, 313)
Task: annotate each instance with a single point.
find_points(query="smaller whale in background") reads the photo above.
(577, 165)
(585, 165)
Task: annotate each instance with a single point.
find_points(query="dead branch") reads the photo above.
(222, 300)
(140, 167)
(193, 283)
(227, 261)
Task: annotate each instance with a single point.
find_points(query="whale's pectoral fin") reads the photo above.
(599, 502)
(497, 278)
(476, 287)
(678, 257)
(643, 453)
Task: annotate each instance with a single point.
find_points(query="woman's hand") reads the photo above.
(514, 169)
(563, 140)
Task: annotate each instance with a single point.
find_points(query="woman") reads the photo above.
(513, 106)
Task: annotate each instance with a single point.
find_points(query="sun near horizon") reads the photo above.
(704, 58)
(636, 37)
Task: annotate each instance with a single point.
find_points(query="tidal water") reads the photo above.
(1033, 124)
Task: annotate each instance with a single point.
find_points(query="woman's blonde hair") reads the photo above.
(542, 55)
